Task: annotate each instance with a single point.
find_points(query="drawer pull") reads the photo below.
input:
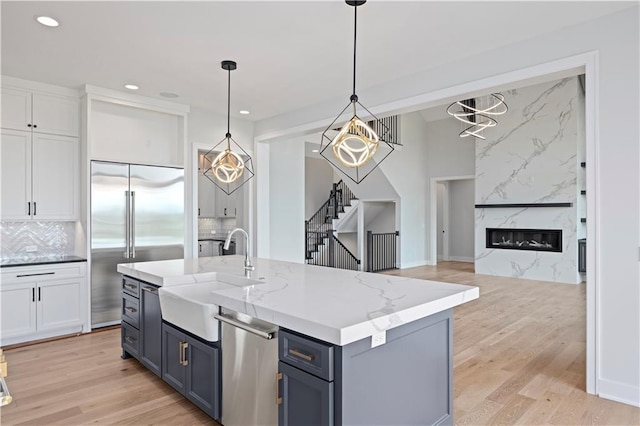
(149, 289)
(130, 339)
(130, 287)
(183, 353)
(278, 397)
(34, 275)
(295, 352)
(130, 309)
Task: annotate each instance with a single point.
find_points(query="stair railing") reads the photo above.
(381, 251)
(335, 255)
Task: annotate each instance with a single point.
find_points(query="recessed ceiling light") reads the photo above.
(168, 95)
(315, 150)
(244, 112)
(131, 87)
(47, 21)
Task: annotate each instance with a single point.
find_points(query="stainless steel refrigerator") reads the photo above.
(137, 214)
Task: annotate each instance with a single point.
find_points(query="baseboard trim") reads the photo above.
(415, 264)
(462, 259)
(619, 392)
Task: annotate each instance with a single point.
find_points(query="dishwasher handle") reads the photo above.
(246, 327)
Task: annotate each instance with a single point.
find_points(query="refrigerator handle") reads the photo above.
(126, 225)
(133, 224)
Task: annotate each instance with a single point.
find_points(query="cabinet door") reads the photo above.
(151, 329)
(55, 177)
(173, 369)
(205, 248)
(18, 316)
(203, 377)
(306, 399)
(57, 115)
(16, 109)
(225, 204)
(15, 152)
(58, 304)
(206, 196)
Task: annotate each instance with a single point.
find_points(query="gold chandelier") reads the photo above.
(230, 168)
(359, 146)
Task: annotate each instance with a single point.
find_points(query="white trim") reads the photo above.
(619, 392)
(445, 220)
(416, 264)
(462, 259)
(40, 87)
(433, 204)
(135, 101)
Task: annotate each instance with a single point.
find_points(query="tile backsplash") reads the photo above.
(49, 239)
(221, 226)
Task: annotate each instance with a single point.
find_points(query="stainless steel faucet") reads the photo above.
(248, 267)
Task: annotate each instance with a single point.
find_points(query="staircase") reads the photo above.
(322, 247)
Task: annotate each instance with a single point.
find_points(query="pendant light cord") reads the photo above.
(229, 109)
(355, 31)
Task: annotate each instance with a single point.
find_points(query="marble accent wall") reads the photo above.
(50, 239)
(531, 156)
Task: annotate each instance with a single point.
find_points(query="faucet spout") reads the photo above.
(248, 267)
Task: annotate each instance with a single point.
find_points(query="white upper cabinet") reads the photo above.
(39, 112)
(40, 176)
(15, 152)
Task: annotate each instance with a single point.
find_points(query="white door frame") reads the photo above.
(586, 63)
(433, 226)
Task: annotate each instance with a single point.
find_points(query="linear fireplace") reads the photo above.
(525, 239)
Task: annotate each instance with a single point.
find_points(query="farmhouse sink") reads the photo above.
(189, 306)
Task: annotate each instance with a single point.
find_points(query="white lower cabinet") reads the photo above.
(42, 301)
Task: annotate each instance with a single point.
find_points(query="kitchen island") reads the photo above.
(354, 347)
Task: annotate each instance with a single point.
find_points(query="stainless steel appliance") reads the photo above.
(137, 214)
(249, 368)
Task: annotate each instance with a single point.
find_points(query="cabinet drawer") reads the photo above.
(41, 273)
(130, 340)
(131, 287)
(131, 310)
(308, 354)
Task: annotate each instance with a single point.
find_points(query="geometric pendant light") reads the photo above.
(227, 165)
(478, 117)
(359, 146)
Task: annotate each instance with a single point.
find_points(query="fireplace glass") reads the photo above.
(525, 239)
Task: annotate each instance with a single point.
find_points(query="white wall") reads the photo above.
(615, 39)
(461, 219)
(318, 182)
(286, 200)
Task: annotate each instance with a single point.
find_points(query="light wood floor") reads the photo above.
(519, 358)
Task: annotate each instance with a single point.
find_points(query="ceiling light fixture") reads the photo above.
(476, 116)
(47, 21)
(359, 146)
(228, 169)
(131, 87)
(244, 112)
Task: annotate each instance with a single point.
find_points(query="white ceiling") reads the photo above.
(289, 54)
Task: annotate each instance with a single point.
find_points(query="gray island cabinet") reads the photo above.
(354, 348)
(406, 381)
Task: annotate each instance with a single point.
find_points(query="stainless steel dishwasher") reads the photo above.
(249, 368)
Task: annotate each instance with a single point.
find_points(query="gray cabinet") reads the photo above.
(407, 380)
(306, 399)
(150, 328)
(192, 367)
(142, 323)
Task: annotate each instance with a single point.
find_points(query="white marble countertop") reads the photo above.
(334, 305)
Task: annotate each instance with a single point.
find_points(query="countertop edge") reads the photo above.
(42, 262)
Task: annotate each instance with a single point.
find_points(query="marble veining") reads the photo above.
(533, 158)
(334, 305)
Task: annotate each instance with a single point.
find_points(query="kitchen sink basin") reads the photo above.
(189, 306)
